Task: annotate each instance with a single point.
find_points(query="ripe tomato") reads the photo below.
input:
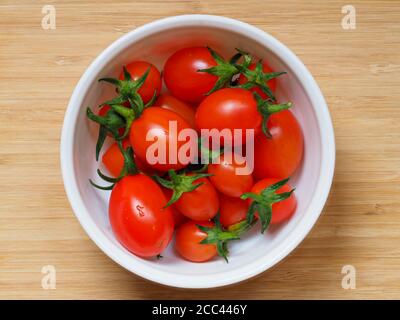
(229, 108)
(271, 83)
(201, 204)
(137, 216)
(231, 210)
(188, 238)
(169, 102)
(279, 156)
(158, 120)
(182, 77)
(152, 82)
(113, 160)
(179, 218)
(283, 210)
(225, 176)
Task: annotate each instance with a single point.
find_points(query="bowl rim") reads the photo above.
(253, 268)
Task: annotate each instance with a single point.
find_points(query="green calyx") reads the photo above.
(225, 70)
(128, 90)
(262, 203)
(117, 117)
(220, 237)
(110, 122)
(179, 184)
(266, 108)
(206, 155)
(129, 168)
(257, 78)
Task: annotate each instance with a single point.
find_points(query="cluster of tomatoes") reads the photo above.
(209, 205)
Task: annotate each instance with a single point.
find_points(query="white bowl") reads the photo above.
(155, 42)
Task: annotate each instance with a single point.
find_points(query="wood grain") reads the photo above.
(358, 71)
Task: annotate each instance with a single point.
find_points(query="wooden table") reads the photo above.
(358, 71)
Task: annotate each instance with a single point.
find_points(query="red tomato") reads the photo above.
(200, 204)
(225, 177)
(283, 210)
(281, 155)
(271, 83)
(231, 210)
(188, 238)
(152, 82)
(182, 77)
(158, 120)
(169, 102)
(179, 218)
(137, 216)
(113, 160)
(230, 108)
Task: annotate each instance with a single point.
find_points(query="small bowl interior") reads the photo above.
(156, 48)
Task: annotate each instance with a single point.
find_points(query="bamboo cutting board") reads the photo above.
(358, 71)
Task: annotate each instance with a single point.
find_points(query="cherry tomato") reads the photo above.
(283, 210)
(137, 216)
(158, 121)
(113, 160)
(200, 204)
(179, 218)
(182, 77)
(229, 108)
(188, 238)
(169, 102)
(152, 82)
(225, 177)
(231, 210)
(271, 83)
(281, 155)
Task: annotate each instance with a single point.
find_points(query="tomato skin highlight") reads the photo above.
(200, 204)
(271, 83)
(225, 179)
(187, 242)
(280, 156)
(169, 102)
(281, 211)
(158, 119)
(152, 82)
(231, 210)
(137, 216)
(229, 108)
(182, 77)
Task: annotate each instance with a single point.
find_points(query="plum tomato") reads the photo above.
(187, 242)
(113, 160)
(179, 218)
(225, 177)
(169, 102)
(138, 217)
(229, 108)
(231, 210)
(201, 204)
(281, 155)
(155, 121)
(282, 210)
(151, 84)
(182, 77)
